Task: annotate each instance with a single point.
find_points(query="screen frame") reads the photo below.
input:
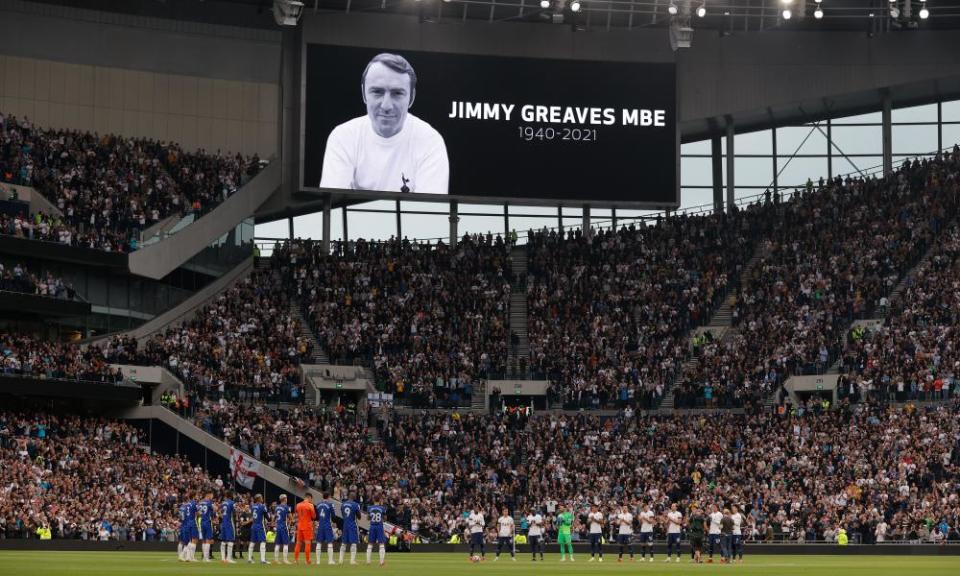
(370, 195)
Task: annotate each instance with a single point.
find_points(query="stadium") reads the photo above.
(479, 286)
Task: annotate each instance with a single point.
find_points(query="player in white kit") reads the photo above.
(674, 523)
(647, 520)
(738, 522)
(535, 532)
(595, 518)
(713, 534)
(625, 532)
(505, 535)
(476, 523)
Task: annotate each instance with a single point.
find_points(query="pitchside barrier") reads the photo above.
(886, 549)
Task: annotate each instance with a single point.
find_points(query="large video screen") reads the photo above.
(390, 123)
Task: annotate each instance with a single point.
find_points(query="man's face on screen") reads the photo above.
(387, 94)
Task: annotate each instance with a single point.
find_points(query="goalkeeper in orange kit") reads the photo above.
(306, 514)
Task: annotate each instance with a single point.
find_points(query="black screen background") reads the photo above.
(488, 158)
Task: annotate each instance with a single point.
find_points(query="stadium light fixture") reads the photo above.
(702, 10)
(575, 6)
(787, 2)
(787, 14)
(672, 8)
(924, 13)
(544, 4)
(818, 13)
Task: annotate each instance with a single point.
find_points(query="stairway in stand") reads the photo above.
(518, 307)
(720, 326)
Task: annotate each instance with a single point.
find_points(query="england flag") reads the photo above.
(243, 468)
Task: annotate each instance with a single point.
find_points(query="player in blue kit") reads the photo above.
(350, 511)
(194, 528)
(376, 514)
(205, 511)
(258, 529)
(228, 532)
(325, 528)
(183, 540)
(283, 531)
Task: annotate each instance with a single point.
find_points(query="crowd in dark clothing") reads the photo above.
(89, 478)
(108, 188)
(429, 320)
(837, 251)
(17, 278)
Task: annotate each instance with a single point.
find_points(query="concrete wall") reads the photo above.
(160, 258)
(203, 86)
(519, 387)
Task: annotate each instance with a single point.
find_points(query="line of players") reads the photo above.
(723, 530)
(197, 523)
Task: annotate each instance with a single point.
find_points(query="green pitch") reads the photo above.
(148, 564)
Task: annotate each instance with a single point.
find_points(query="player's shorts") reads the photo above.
(624, 539)
(227, 533)
(325, 535)
(305, 534)
(696, 542)
(376, 535)
(714, 540)
(476, 538)
(206, 531)
(185, 534)
(257, 535)
(563, 538)
(673, 539)
(195, 531)
(534, 542)
(595, 539)
(737, 541)
(283, 537)
(503, 541)
(646, 537)
(350, 535)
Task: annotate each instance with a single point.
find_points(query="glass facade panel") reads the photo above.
(915, 140)
(753, 143)
(951, 135)
(696, 172)
(371, 225)
(795, 172)
(801, 140)
(870, 118)
(924, 113)
(753, 171)
(851, 140)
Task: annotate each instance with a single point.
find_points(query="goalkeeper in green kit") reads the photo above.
(564, 524)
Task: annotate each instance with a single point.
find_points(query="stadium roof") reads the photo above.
(725, 16)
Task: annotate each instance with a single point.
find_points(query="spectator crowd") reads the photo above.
(107, 188)
(428, 319)
(17, 278)
(88, 478)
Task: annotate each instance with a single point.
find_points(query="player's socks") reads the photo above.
(286, 554)
(263, 552)
(192, 552)
(343, 548)
(353, 553)
(369, 553)
(296, 551)
(179, 550)
(206, 551)
(250, 553)
(276, 554)
(308, 553)
(329, 554)
(383, 554)
(230, 552)
(223, 551)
